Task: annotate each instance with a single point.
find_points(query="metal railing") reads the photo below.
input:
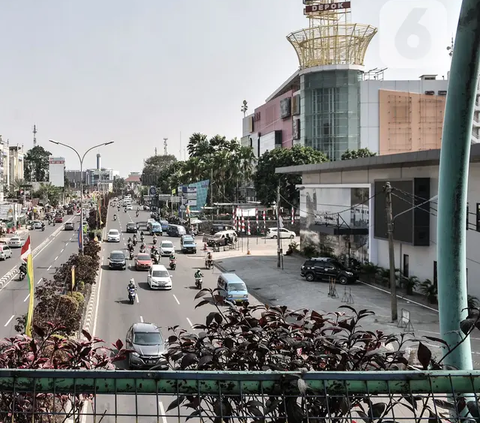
(367, 397)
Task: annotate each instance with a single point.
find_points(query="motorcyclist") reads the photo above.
(130, 247)
(114, 217)
(154, 238)
(131, 285)
(142, 237)
(129, 241)
(142, 247)
(23, 268)
(172, 257)
(43, 226)
(198, 274)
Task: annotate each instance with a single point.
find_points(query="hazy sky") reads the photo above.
(135, 72)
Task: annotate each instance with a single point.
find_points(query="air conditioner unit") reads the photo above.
(429, 92)
(442, 92)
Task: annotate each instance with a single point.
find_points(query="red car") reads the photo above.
(143, 261)
(58, 219)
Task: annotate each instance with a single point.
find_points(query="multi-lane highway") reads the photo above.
(164, 308)
(59, 245)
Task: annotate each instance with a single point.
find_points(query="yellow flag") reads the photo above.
(73, 278)
(26, 255)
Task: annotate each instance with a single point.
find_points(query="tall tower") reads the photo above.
(165, 152)
(331, 38)
(331, 53)
(34, 135)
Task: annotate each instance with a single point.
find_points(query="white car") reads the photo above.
(167, 248)
(159, 278)
(129, 207)
(37, 224)
(113, 235)
(284, 233)
(5, 252)
(15, 242)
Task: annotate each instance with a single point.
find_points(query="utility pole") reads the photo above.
(391, 250)
(279, 246)
(34, 135)
(211, 191)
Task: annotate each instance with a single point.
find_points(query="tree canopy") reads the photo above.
(357, 154)
(153, 168)
(36, 164)
(266, 180)
(228, 164)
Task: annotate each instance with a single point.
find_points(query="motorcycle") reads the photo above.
(134, 242)
(132, 293)
(173, 264)
(21, 275)
(208, 263)
(154, 241)
(131, 255)
(43, 228)
(114, 217)
(156, 258)
(198, 283)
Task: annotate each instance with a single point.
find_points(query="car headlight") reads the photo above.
(245, 296)
(136, 355)
(349, 273)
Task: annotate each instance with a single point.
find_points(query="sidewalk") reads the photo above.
(22, 233)
(275, 286)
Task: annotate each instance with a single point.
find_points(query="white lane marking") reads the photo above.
(176, 299)
(63, 249)
(49, 267)
(26, 298)
(55, 259)
(190, 322)
(9, 320)
(136, 296)
(162, 412)
(95, 316)
(141, 319)
(40, 280)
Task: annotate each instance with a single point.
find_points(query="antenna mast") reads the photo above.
(34, 135)
(165, 146)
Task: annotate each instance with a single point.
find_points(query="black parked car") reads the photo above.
(326, 269)
(117, 260)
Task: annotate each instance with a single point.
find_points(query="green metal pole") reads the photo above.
(453, 183)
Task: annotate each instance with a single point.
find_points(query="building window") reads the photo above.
(435, 276)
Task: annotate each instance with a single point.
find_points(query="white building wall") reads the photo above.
(369, 104)
(421, 259)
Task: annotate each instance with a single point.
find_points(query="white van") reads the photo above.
(220, 238)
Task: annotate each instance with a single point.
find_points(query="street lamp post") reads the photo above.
(80, 158)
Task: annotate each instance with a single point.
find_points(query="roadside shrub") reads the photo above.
(263, 338)
(48, 350)
(78, 296)
(86, 269)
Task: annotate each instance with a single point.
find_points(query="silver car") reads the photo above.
(15, 242)
(147, 346)
(167, 248)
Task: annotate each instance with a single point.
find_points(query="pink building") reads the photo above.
(271, 125)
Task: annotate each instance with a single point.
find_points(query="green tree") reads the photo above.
(118, 185)
(266, 180)
(357, 154)
(49, 194)
(36, 164)
(153, 168)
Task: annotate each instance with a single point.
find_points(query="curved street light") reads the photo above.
(80, 158)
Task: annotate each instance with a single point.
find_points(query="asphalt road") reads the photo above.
(164, 308)
(37, 236)
(14, 295)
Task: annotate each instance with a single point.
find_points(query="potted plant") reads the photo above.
(428, 288)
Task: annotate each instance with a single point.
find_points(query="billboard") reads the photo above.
(335, 220)
(327, 7)
(56, 171)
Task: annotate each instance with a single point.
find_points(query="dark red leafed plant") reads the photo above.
(263, 338)
(49, 350)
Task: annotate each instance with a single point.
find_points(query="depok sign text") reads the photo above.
(327, 7)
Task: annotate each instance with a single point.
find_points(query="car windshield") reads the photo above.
(147, 338)
(160, 274)
(188, 242)
(338, 264)
(167, 245)
(237, 287)
(113, 232)
(130, 225)
(143, 257)
(117, 256)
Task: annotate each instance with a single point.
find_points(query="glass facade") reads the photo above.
(331, 101)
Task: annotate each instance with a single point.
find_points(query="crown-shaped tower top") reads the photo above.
(331, 38)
